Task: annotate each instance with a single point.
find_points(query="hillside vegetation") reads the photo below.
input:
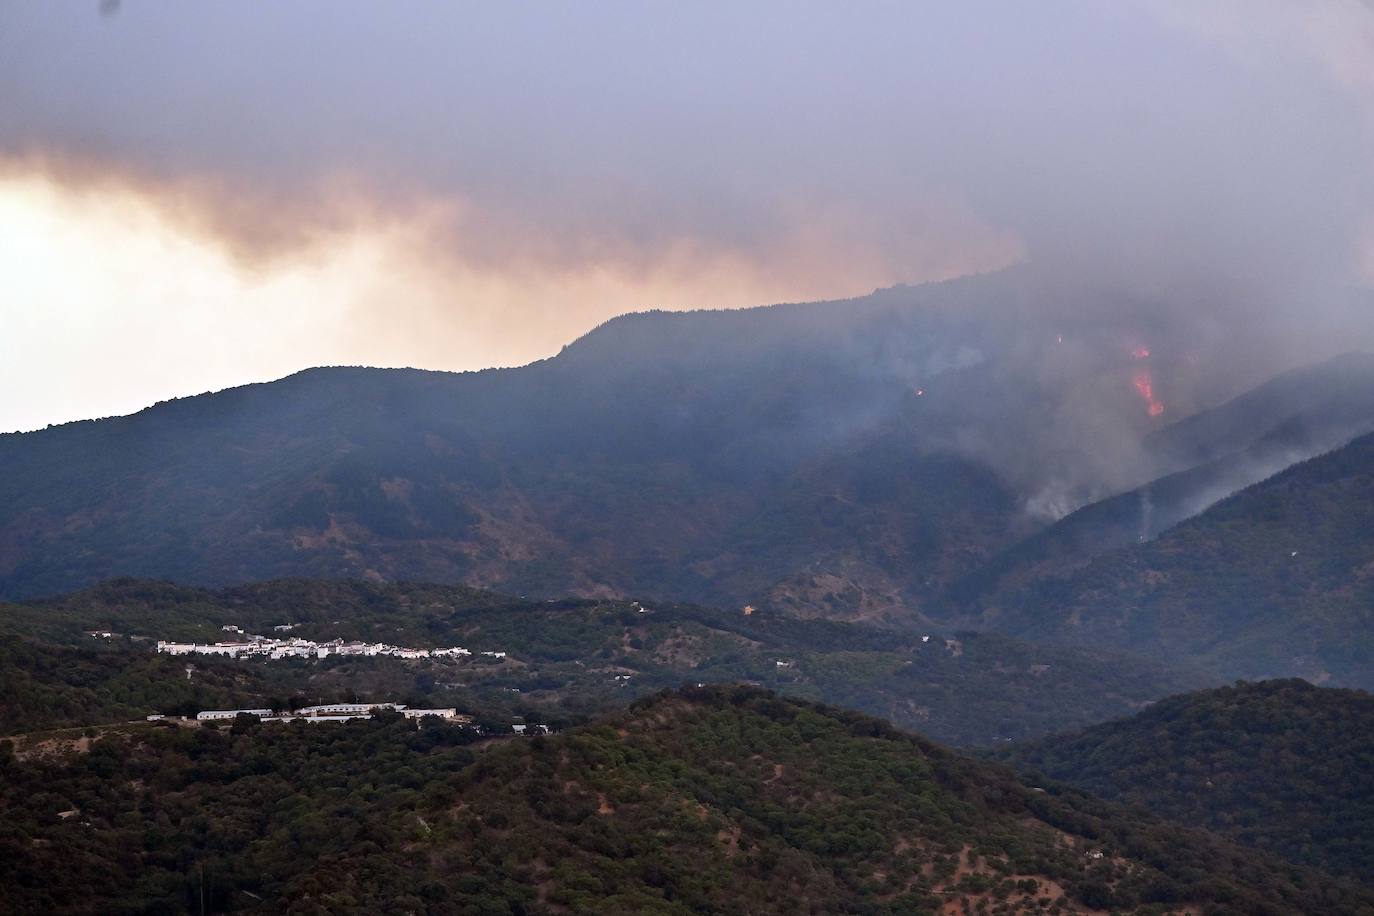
(840, 459)
(1209, 456)
(1279, 765)
(1276, 580)
(718, 800)
(710, 457)
(43, 685)
(565, 659)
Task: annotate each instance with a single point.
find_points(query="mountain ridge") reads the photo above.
(1279, 765)
(851, 459)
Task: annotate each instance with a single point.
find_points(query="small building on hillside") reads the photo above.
(446, 713)
(208, 714)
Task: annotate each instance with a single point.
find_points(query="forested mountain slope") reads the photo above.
(844, 459)
(1280, 765)
(706, 456)
(723, 800)
(1277, 580)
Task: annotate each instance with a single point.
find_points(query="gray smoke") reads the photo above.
(1195, 181)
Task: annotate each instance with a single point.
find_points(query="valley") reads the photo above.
(561, 660)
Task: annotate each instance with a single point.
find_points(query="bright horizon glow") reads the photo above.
(110, 308)
(116, 300)
(194, 195)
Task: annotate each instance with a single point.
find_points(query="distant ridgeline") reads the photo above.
(726, 800)
(840, 459)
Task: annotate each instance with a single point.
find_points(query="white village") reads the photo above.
(249, 645)
(331, 712)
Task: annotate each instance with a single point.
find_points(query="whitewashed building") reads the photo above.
(209, 714)
(346, 709)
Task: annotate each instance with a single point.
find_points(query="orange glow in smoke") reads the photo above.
(1145, 384)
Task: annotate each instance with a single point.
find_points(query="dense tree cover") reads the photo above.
(573, 658)
(726, 800)
(1280, 765)
(1274, 581)
(46, 686)
(43, 685)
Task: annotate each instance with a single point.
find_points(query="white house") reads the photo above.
(446, 713)
(207, 714)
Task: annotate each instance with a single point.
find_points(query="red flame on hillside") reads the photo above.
(1145, 384)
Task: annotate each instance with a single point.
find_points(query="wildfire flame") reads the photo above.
(1145, 384)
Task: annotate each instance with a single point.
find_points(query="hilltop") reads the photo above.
(1280, 765)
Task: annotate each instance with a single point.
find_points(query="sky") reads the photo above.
(194, 196)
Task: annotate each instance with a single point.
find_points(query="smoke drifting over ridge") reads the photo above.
(1194, 180)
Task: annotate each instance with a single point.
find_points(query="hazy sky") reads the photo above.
(199, 195)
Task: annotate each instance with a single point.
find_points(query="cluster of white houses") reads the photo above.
(332, 712)
(269, 647)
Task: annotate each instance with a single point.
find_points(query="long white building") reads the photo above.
(346, 709)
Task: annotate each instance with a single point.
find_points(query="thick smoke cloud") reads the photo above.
(1112, 135)
(1195, 177)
